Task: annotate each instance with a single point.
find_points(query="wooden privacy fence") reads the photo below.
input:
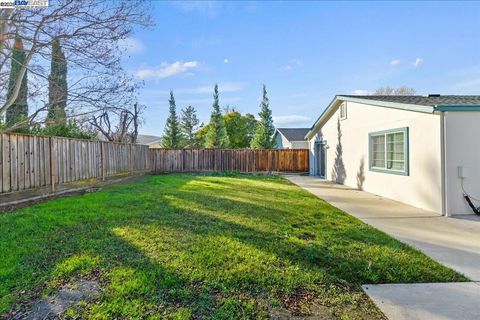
(243, 160)
(28, 162)
(32, 161)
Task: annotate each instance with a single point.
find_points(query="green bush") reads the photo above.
(68, 130)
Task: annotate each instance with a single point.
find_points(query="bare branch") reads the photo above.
(89, 33)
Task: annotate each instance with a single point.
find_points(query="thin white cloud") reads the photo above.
(417, 62)
(360, 92)
(468, 83)
(395, 62)
(293, 63)
(297, 62)
(222, 87)
(226, 61)
(166, 70)
(132, 45)
(207, 101)
(292, 120)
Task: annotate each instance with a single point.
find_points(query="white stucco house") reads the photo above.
(145, 139)
(291, 138)
(420, 150)
(149, 140)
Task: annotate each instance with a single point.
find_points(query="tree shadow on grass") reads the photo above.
(161, 246)
(329, 241)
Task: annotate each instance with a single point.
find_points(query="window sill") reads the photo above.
(398, 173)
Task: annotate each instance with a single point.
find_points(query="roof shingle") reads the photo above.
(294, 134)
(435, 100)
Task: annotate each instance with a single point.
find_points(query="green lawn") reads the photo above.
(187, 246)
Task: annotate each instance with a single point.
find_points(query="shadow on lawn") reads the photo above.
(324, 251)
(339, 249)
(130, 281)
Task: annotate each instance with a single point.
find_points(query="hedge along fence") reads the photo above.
(28, 162)
(243, 160)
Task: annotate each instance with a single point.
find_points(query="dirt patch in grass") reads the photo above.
(54, 306)
(298, 303)
(316, 312)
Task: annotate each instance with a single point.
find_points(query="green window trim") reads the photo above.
(388, 135)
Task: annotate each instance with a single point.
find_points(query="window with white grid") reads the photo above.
(389, 151)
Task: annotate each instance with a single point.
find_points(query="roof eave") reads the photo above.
(280, 132)
(322, 116)
(394, 105)
(457, 108)
(385, 104)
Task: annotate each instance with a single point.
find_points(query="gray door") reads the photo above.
(320, 158)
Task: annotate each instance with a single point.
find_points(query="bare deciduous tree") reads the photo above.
(118, 124)
(90, 33)
(389, 91)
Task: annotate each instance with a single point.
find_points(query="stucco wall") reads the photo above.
(282, 143)
(462, 149)
(299, 145)
(348, 157)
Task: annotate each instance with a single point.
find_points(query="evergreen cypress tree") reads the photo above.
(216, 136)
(57, 87)
(172, 136)
(188, 125)
(19, 109)
(263, 136)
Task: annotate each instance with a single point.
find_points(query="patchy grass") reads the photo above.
(187, 246)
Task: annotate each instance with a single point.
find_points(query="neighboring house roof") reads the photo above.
(293, 134)
(144, 139)
(148, 139)
(425, 104)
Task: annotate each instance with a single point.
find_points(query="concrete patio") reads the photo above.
(454, 241)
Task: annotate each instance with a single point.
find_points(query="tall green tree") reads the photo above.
(216, 136)
(57, 87)
(188, 126)
(19, 109)
(240, 128)
(201, 134)
(172, 137)
(263, 136)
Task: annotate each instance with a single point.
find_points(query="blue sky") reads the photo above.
(304, 52)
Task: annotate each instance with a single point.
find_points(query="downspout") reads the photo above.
(443, 138)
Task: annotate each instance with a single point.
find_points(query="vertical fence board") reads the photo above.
(6, 163)
(198, 160)
(13, 163)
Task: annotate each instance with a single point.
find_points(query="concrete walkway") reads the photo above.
(455, 242)
(432, 301)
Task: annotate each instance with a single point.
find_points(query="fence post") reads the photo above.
(131, 160)
(102, 160)
(268, 161)
(184, 154)
(52, 165)
(149, 158)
